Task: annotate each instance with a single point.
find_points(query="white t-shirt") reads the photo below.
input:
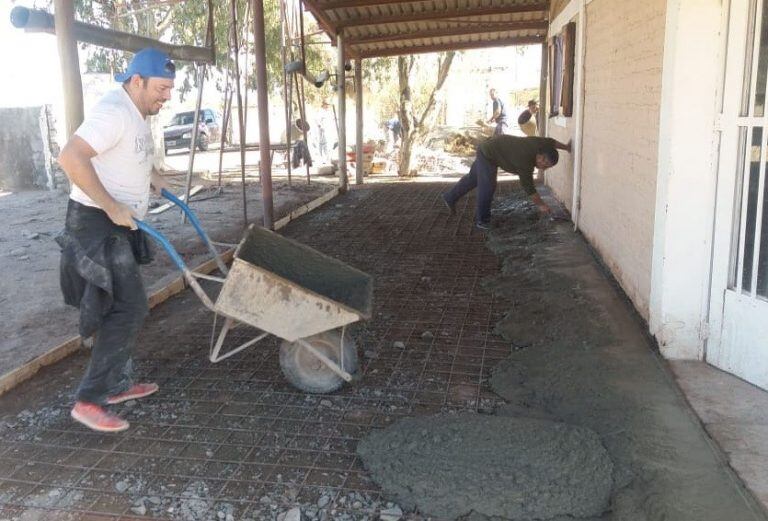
(122, 139)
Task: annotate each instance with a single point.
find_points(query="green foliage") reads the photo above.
(185, 23)
(381, 75)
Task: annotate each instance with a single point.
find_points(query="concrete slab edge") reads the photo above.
(15, 377)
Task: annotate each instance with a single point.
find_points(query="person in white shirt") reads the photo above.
(109, 162)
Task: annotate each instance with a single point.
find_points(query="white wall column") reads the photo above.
(359, 173)
(342, 109)
(687, 175)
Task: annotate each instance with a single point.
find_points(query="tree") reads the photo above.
(405, 87)
(417, 122)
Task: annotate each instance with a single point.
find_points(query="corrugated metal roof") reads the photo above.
(391, 27)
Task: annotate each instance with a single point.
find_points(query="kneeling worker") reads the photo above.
(517, 155)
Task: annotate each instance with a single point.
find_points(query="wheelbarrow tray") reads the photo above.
(291, 290)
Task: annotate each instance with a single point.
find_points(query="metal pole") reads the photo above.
(245, 64)
(286, 83)
(303, 114)
(541, 117)
(193, 141)
(70, 64)
(225, 125)
(236, 38)
(359, 173)
(342, 102)
(265, 166)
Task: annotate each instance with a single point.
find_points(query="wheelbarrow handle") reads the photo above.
(198, 227)
(165, 243)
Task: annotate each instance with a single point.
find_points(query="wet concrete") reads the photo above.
(580, 356)
(234, 439)
(514, 468)
(592, 365)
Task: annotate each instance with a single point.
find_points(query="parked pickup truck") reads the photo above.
(178, 134)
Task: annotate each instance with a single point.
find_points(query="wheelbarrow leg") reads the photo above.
(229, 323)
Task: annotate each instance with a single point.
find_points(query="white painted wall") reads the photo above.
(622, 73)
(687, 175)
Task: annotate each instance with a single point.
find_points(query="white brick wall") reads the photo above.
(623, 62)
(560, 177)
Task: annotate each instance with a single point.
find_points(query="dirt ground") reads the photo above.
(33, 317)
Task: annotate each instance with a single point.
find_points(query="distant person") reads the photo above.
(528, 119)
(109, 161)
(517, 155)
(499, 115)
(394, 130)
(324, 120)
(300, 149)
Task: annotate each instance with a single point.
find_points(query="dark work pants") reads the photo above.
(110, 369)
(102, 276)
(301, 153)
(482, 175)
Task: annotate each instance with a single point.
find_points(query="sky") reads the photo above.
(32, 61)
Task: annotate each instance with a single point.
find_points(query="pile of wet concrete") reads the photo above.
(593, 428)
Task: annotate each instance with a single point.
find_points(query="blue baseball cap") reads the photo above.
(149, 63)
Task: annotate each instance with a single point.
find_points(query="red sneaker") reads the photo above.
(134, 393)
(97, 418)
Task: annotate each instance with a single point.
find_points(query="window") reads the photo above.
(562, 52)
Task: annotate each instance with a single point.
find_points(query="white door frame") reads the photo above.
(737, 318)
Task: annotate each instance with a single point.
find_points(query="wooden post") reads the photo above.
(284, 36)
(240, 120)
(359, 173)
(265, 165)
(541, 117)
(70, 64)
(342, 102)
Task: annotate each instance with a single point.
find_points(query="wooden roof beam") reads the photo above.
(344, 4)
(322, 19)
(38, 21)
(420, 49)
(450, 31)
(442, 15)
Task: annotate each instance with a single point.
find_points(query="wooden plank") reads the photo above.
(450, 31)
(10, 380)
(38, 21)
(417, 49)
(322, 19)
(344, 4)
(301, 210)
(442, 15)
(160, 209)
(19, 375)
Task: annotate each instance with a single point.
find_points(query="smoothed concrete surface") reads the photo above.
(735, 413)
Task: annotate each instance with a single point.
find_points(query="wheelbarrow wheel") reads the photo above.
(303, 370)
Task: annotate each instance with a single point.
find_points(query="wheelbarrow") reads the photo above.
(288, 290)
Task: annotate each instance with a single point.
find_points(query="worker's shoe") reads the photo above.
(483, 226)
(134, 393)
(451, 207)
(97, 418)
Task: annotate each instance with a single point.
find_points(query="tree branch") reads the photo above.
(445, 67)
(167, 20)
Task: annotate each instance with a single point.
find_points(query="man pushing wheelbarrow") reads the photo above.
(276, 285)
